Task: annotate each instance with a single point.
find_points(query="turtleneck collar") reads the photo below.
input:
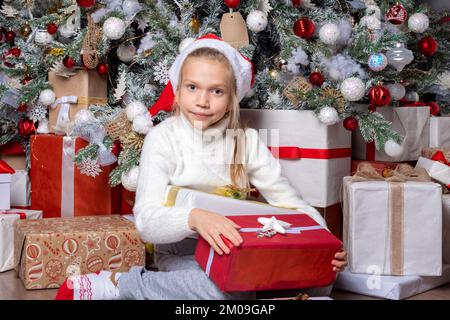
(211, 131)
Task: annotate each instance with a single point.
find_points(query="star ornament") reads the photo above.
(274, 224)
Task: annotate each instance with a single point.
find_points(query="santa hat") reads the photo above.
(242, 68)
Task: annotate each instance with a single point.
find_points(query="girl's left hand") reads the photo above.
(340, 261)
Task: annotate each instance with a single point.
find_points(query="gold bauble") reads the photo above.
(273, 73)
(25, 30)
(194, 25)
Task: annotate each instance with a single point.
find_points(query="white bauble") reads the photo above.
(129, 179)
(142, 123)
(353, 89)
(42, 37)
(185, 43)
(114, 28)
(397, 91)
(328, 115)
(393, 149)
(412, 96)
(373, 10)
(126, 52)
(131, 7)
(346, 28)
(371, 22)
(418, 22)
(134, 109)
(329, 33)
(84, 115)
(257, 21)
(47, 97)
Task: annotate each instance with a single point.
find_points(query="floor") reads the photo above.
(11, 288)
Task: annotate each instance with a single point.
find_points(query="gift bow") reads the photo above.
(278, 226)
(5, 168)
(402, 173)
(22, 215)
(440, 157)
(63, 115)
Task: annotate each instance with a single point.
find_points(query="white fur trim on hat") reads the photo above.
(241, 66)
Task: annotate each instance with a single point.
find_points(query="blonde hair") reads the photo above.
(238, 173)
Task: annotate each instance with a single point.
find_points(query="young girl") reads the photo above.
(200, 147)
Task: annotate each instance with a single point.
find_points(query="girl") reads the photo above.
(200, 147)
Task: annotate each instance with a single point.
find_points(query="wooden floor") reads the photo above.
(11, 288)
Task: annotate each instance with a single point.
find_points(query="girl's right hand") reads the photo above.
(211, 226)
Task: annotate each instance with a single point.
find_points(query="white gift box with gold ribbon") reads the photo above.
(446, 228)
(440, 132)
(393, 228)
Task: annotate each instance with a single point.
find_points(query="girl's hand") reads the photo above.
(340, 261)
(211, 226)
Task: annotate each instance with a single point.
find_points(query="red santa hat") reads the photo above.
(242, 68)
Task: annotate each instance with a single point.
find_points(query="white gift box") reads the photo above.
(5, 191)
(7, 219)
(389, 287)
(20, 189)
(410, 122)
(394, 228)
(440, 132)
(437, 170)
(322, 152)
(446, 228)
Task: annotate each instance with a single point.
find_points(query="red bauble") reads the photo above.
(304, 28)
(428, 46)
(444, 20)
(10, 36)
(116, 148)
(52, 28)
(316, 78)
(379, 96)
(22, 107)
(296, 3)
(15, 51)
(351, 123)
(86, 3)
(26, 79)
(68, 62)
(232, 4)
(102, 68)
(26, 127)
(397, 14)
(434, 108)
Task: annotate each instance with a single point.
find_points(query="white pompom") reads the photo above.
(114, 28)
(371, 22)
(329, 33)
(346, 28)
(142, 123)
(134, 109)
(130, 179)
(126, 52)
(396, 90)
(47, 97)
(328, 115)
(185, 43)
(257, 21)
(42, 37)
(353, 89)
(393, 149)
(418, 22)
(84, 115)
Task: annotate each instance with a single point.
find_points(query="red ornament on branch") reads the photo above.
(351, 123)
(397, 14)
(296, 3)
(428, 46)
(379, 96)
(26, 79)
(232, 4)
(102, 68)
(68, 62)
(22, 107)
(434, 108)
(86, 3)
(26, 127)
(316, 78)
(14, 51)
(52, 28)
(10, 36)
(304, 28)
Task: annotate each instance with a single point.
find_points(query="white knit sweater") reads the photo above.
(176, 153)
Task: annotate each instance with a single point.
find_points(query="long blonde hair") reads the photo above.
(238, 173)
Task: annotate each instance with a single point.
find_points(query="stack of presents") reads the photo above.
(392, 215)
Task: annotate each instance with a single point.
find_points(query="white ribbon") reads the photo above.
(95, 135)
(63, 115)
(67, 177)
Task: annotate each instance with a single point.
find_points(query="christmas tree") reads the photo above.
(308, 55)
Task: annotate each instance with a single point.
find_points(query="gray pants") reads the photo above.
(180, 278)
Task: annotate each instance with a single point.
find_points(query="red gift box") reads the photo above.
(292, 260)
(58, 187)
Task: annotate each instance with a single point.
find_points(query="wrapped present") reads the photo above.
(410, 122)
(437, 164)
(5, 185)
(440, 132)
(60, 189)
(7, 219)
(314, 157)
(287, 252)
(382, 219)
(47, 251)
(14, 155)
(389, 287)
(20, 189)
(380, 165)
(446, 228)
(73, 94)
